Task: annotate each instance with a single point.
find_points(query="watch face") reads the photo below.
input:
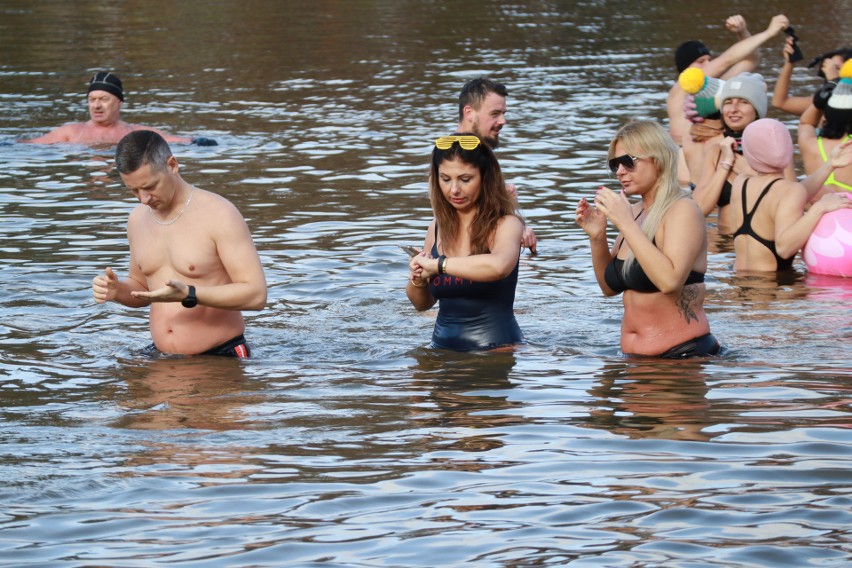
(190, 301)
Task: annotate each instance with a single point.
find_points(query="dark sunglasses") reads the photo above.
(628, 161)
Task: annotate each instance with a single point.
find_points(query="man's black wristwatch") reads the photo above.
(190, 301)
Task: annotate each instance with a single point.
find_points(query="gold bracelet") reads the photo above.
(416, 285)
(444, 266)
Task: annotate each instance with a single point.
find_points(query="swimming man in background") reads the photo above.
(105, 127)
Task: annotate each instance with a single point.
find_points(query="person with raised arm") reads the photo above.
(741, 56)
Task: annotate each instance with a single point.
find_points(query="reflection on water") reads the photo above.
(345, 440)
(467, 394)
(207, 393)
(653, 400)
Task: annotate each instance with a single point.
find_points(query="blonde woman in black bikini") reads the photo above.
(659, 257)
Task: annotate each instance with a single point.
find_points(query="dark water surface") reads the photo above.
(345, 441)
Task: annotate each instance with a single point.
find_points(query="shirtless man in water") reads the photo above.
(105, 127)
(192, 258)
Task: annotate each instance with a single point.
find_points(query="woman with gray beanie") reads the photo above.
(744, 100)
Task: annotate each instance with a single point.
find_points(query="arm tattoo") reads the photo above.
(686, 301)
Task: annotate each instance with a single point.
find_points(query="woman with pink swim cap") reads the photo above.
(744, 101)
(767, 210)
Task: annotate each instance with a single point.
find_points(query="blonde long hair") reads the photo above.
(648, 139)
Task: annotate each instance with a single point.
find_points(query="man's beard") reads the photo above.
(492, 142)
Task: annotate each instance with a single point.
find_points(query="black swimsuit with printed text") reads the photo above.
(474, 315)
(782, 264)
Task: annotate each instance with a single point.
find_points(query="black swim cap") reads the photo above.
(688, 52)
(838, 110)
(104, 81)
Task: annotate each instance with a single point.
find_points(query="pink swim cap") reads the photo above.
(767, 146)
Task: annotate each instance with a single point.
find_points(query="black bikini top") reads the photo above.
(725, 195)
(636, 278)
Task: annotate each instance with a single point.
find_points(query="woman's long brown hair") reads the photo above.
(493, 204)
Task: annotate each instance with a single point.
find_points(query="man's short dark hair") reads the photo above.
(475, 91)
(139, 148)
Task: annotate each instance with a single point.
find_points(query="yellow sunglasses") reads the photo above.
(466, 142)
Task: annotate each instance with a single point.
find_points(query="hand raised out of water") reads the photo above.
(690, 110)
(590, 219)
(736, 24)
(841, 155)
(529, 240)
(105, 286)
(615, 206)
(833, 201)
(788, 48)
(418, 274)
(778, 24)
(728, 146)
(173, 291)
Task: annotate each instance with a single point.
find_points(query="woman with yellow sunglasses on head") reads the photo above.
(470, 257)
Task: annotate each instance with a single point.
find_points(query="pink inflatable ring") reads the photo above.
(829, 248)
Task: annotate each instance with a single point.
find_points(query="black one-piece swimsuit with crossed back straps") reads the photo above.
(782, 264)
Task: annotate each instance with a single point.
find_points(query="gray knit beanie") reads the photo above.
(748, 86)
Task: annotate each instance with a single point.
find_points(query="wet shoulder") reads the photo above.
(687, 207)
(211, 203)
(510, 223)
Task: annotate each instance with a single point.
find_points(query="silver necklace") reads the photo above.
(185, 205)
